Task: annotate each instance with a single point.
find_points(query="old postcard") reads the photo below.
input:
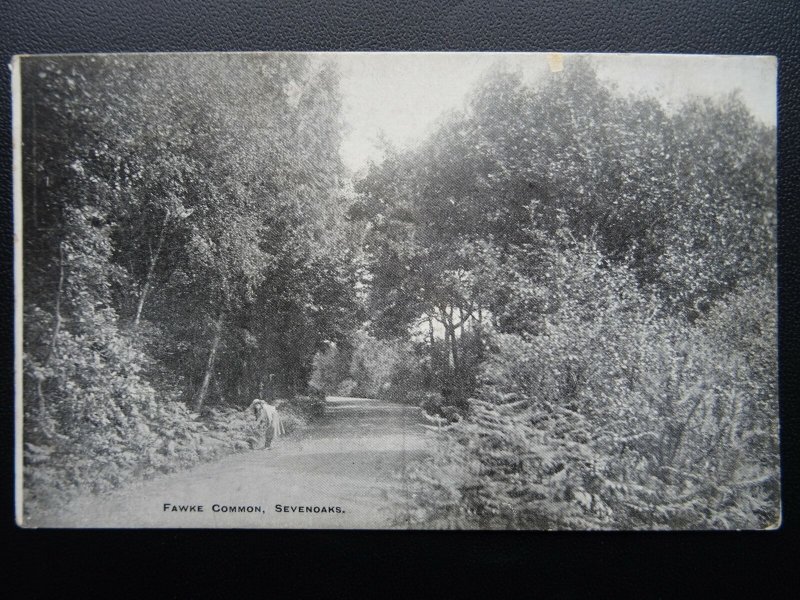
(396, 290)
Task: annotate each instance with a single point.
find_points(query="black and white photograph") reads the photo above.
(396, 290)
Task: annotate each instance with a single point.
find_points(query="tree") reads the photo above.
(605, 240)
(163, 208)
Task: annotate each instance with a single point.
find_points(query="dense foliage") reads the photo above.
(581, 285)
(183, 251)
(614, 415)
(611, 267)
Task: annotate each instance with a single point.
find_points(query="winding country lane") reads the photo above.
(354, 458)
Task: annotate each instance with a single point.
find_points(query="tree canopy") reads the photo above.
(581, 282)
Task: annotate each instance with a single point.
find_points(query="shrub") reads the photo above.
(613, 415)
(93, 422)
(435, 404)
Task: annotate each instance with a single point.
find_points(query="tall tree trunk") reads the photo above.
(148, 282)
(453, 343)
(456, 384)
(477, 327)
(212, 357)
(448, 357)
(239, 381)
(432, 339)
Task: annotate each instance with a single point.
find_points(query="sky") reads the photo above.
(401, 95)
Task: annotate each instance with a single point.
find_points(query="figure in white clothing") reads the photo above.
(267, 416)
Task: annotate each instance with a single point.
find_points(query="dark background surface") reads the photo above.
(561, 564)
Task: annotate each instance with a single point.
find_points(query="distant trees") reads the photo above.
(457, 224)
(365, 366)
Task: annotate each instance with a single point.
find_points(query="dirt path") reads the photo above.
(354, 460)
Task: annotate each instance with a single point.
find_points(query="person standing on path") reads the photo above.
(267, 417)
